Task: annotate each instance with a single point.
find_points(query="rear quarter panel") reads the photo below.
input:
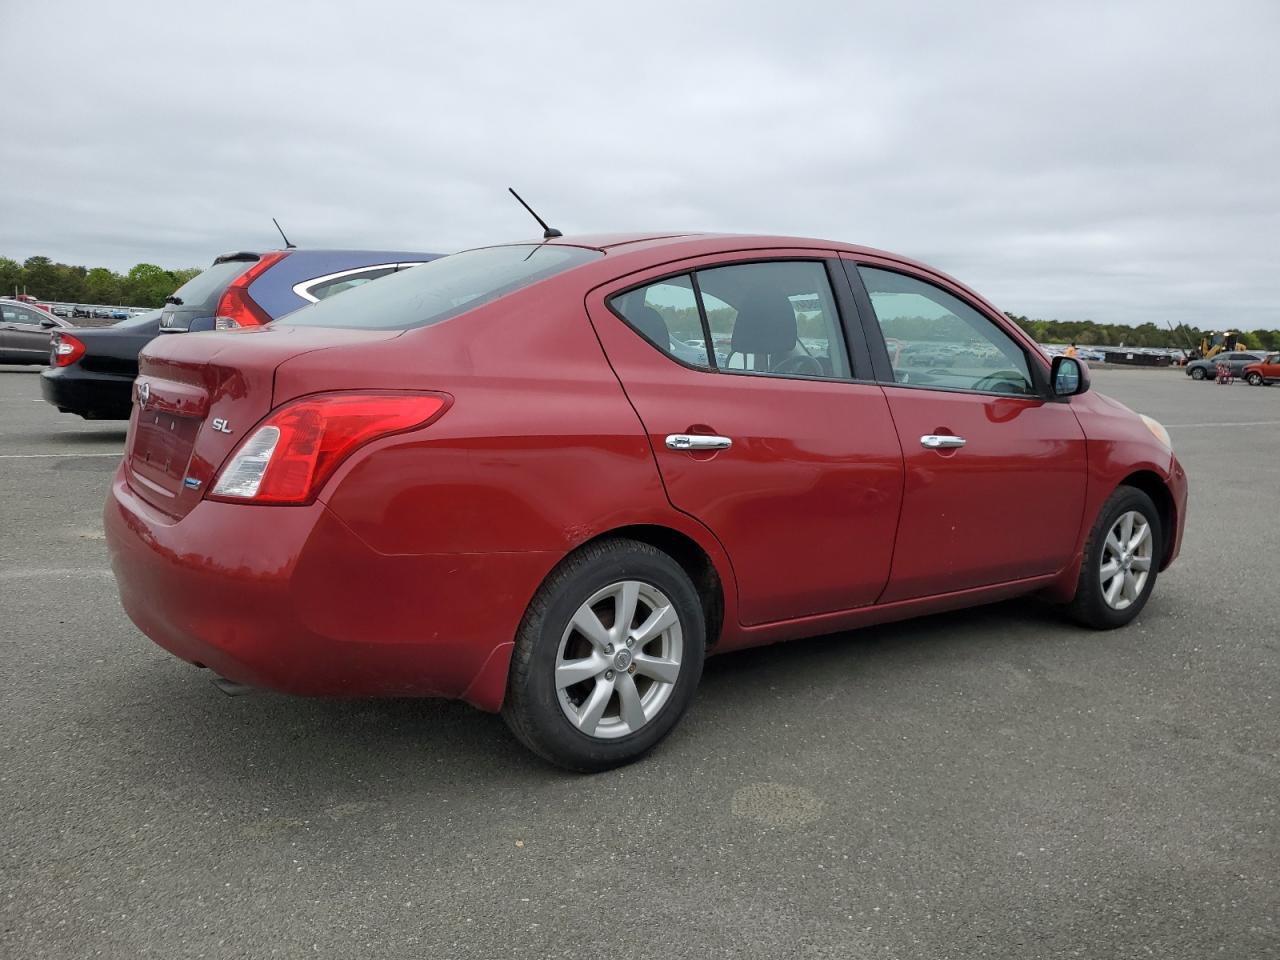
(538, 453)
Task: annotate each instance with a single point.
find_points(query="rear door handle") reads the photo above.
(695, 441)
(941, 442)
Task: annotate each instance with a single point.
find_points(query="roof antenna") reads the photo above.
(548, 233)
(287, 244)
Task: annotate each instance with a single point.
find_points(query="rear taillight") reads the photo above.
(66, 349)
(235, 307)
(291, 454)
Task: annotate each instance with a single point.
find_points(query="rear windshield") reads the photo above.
(441, 289)
(204, 289)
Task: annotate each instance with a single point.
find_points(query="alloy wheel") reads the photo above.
(619, 659)
(1126, 560)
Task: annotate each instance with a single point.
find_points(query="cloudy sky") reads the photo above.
(1111, 161)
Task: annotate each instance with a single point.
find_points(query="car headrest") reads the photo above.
(650, 322)
(765, 324)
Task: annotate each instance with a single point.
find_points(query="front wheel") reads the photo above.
(1255, 379)
(607, 658)
(1120, 563)
(1197, 373)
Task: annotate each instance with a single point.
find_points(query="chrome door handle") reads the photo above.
(694, 441)
(941, 442)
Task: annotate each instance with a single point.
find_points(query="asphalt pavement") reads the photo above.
(992, 783)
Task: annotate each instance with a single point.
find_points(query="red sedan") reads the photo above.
(550, 478)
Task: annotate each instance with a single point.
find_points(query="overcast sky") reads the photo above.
(1116, 161)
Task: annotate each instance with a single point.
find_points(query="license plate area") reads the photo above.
(162, 447)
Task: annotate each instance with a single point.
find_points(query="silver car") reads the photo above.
(25, 332)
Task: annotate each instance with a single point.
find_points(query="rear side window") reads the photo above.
(666, 314)
(773, 318)
(443, 288)
(204, 289)
(327, 287)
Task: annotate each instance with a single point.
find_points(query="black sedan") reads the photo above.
(91, 372)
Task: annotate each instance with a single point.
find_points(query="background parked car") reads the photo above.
(25, 332)
(1208, 369)
(91, 372)
(1265, 372)
(249, 289)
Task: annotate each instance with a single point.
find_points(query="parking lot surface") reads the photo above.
(992, 783)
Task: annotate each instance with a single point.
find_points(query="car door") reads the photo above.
(1241, 360)
(24, 333)
(762, 427)
(995, 473)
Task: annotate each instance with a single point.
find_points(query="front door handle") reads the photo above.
(935, 441)
(696, 441)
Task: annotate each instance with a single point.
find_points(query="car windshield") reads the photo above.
(443, 288)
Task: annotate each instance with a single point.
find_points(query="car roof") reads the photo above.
(645, 249)
(673, 240)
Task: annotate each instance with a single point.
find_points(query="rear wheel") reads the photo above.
(1255, 379)
(1197, 373)
(607, 658)
(1120, 561)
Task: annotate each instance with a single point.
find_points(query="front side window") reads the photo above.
(16, 314)
(936, 340)
(773, 318)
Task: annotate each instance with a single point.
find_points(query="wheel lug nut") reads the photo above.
(631, 641)
(608, 674)
(608, 648)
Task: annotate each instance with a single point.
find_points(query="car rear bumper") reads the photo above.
(105, 396)
(289, 599)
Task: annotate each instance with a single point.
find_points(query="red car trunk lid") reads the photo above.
(198, 396)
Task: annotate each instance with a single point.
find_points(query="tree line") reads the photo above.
(1181, 337)
(145, 285)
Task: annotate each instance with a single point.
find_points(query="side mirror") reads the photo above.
(48, 323)
(1068, 377)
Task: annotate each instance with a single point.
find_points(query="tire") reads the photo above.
(1197, 373)
(1094, 605)
(1255, 379)
(601, 579)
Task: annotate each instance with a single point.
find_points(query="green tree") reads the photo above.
(10, 276)
(40, 277)
(103, 286)
(146, 285)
